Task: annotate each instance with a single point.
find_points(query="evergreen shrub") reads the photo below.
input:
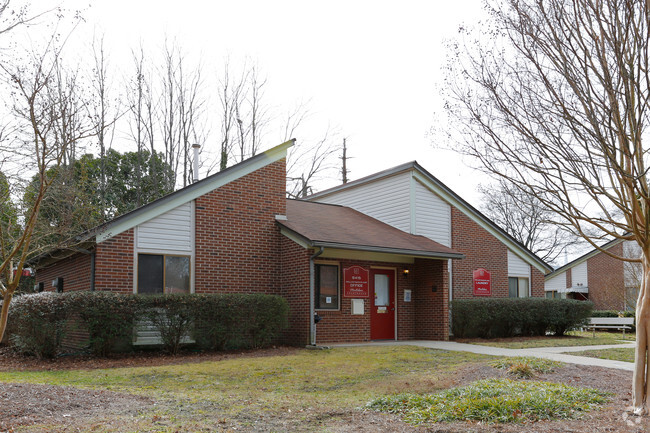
(508, 317)
(36, 323)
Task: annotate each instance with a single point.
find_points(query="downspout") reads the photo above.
(450, 270)
(312, 296)
(92, 271)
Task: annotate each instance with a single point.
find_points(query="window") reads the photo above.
(327, 287)
(517, 287)
(163, 274)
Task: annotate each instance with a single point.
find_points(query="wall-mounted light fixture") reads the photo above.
(434, 288)
(405, 272)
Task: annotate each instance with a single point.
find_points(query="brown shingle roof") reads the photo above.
(342, 227)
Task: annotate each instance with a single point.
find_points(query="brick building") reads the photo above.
(610, 283)
(236, 232)
(414, 201)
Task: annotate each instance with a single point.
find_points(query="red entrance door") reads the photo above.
(382, 311)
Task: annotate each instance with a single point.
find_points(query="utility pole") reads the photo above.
(344, 158)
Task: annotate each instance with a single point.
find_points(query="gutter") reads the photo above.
(312, 296)
(388, 250)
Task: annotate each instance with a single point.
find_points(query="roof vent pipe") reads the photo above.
(196, 148)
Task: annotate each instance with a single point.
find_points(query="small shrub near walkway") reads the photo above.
(494, 401)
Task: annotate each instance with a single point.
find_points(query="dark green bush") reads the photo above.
(172, 315)
(36, 323)
(507, 317)
(107, 317)
(604, 313)
(234, 321)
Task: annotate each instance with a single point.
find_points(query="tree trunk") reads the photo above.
(4, 315)
(640, 383)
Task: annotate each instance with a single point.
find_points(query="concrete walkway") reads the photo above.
(554, 353)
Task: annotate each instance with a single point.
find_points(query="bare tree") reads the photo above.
(553, 96)
(244, 115)
(526, 220)
(103, 112)
(44, 100)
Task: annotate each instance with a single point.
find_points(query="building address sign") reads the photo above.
(355, 282)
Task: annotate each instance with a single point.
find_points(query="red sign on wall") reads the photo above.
(482, 283)
(355, 282)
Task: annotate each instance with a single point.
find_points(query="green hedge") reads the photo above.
(507, 317)
(37, 322)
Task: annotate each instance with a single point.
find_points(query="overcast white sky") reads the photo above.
(370, 68)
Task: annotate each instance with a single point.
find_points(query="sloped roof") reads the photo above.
(170, 201)
(335, 226)
(582, 258)
(191, 192)
(447, 194)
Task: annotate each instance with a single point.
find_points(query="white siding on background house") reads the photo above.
(517, 267)
(579, 275)
(556, 284)
(387, 200)
(171, 231)
(432, 215)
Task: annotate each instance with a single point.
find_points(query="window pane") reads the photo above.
(549, 295)
(177, 274)
(327, 287)
(512, 287)
(523, 287)
(381, 290)
(150, 273)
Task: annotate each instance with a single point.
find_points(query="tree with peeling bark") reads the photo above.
(554, 96)
(46, 124)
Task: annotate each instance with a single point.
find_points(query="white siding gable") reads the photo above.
(579, 275)
(556, 284)
(517, 267)
(387, 200)
(432, 215)
(171, 231)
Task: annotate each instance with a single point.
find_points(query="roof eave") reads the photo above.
(388, 250)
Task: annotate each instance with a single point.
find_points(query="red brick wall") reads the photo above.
(605, 276)
(295, 289)
(237, 240)
(75, 271)
(482, 250)
(114, 263)
(431, 308)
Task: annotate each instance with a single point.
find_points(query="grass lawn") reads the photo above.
(284, 393)
(573, 338)
(622, 354)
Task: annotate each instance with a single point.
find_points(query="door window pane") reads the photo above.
(150, 273)
(177, 274)
(382, 296)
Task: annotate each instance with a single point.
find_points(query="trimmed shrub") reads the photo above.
(605, 313)
(507, 317)
(172, 315)
(36, 323)
(239, 321)
(107, 317)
